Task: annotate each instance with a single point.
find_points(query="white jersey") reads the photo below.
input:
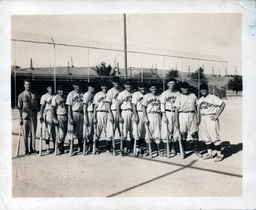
(88, 100)
(126, 98)
(46, 100)
(58, 103)
(209, 104)
(137, 99)
(75, 100)
(100, 101)
(186, 103)
(152, 103)
(111, 97)
(168, 99)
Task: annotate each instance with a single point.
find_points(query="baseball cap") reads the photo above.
(116, 79)
(128, 82)
(103, 83)
(61, 87)
(184, 85)
(203, 86)
(76, 82)
(141, 84)
(152, 85)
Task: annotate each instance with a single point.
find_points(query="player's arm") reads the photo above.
(20, 107)
(163, 112)
(70, 115)
(177, 123)
(111, 117)
(144, 110)
(198, 115)
(218, 113)
(118, 111)
(42, 109)
(135, 112)
(86, 120)
(95, 113)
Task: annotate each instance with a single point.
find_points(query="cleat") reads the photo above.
(207, 156)
(172, 154)
(218, 158)
(198, 154)
(48, 151)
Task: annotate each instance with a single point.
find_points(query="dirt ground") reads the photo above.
(104, 175)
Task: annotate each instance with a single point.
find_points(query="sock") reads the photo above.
(107, 145)
(209, 148)
(165, 147)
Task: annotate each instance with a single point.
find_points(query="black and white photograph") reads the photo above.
(130, 105)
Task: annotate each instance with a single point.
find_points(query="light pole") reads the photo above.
(54, 68)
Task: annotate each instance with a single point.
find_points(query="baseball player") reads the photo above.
(125, 114)
(152, 117)
(100, 113)
(112, 123)
(88, 112)
(210, 108)
(139, 129)
(28, 102)
(75, 115)
(46, 117)
(169, 132)
(60, 119)
(186, 117)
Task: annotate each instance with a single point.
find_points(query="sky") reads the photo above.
(211, 34)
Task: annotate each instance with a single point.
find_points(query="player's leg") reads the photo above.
(25, 128)
(62, 119)
(165, 132)
(128, 126)
(183, 121)
(204, 126)
(33, 125)
(156, 132)
(47, 131)
(194, 133)
(217, 142)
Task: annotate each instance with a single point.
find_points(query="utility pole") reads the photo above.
(125, 47)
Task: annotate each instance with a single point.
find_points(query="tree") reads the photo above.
(102, 69)
(236, 84)
(172, 74)
(194, 76)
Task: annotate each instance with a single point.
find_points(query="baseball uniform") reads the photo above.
(186, 105)
(208, 106)
(75, 100)
(61, 113)
(125, 97)
(153, 108)
(28, 104)
(46, 101)
(111, 98)
(101, 109)
(139, 129)
(88, 100)
(169, 130)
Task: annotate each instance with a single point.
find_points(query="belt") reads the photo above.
(90, 111)
(80, 112)
(62, 114)
(102, 111)
(126, 110)
(207, 114)
(187, 111)
(139, 110)
(113, 110)
(167, 110)
(152, 112)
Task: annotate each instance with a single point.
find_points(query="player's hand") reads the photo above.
(86, 122)
(95, 120)
(165, 119)
(146, 121)
(55, 121)
(121, 120)
(214, 117)
(72, 122)
(21, 121)
(41, 119)
(111, 119)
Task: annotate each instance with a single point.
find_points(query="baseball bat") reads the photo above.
(122, 139)
(72, 142)
(168, 145)
(134, 148)
(150, 137)
(94, 139)
(56, 141)
(40, 143)
(181, 149)
(84, 145)
(18, 145)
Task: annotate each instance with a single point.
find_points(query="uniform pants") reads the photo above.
(112, 127)
(87, 130)
(127, 115)
(30, 123)
(169, 130)
(188, 123)
(101, 124)
(154, 131)
(49, 125)
(139, 130)
(76, 131)
(209, 129)
(61, 130)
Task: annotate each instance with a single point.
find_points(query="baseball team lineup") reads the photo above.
(141, 123)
